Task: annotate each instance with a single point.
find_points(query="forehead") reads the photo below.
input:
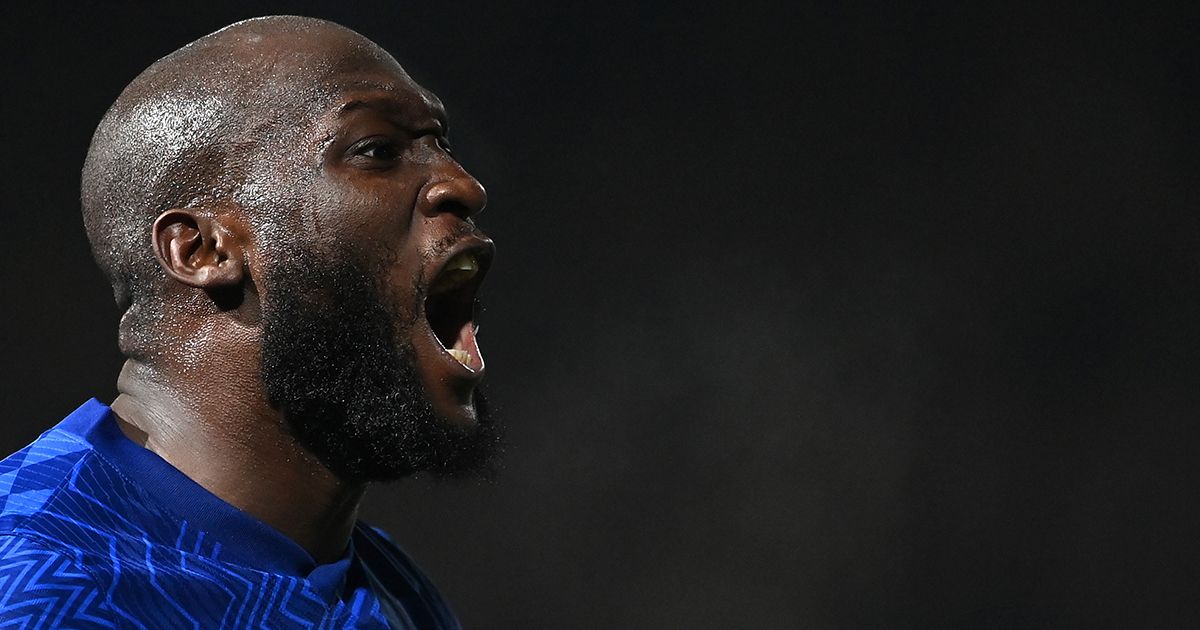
(402, 98)
(366, 79)
(318, 67)
(346, 70)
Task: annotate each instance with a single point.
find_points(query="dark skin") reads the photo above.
(371, 168)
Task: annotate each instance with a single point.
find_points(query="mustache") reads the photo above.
(443, 245)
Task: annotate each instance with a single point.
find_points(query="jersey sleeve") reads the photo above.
(43, 588)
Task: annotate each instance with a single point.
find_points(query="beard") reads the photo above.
(334, 364)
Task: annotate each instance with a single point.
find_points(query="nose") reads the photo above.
(452, 190)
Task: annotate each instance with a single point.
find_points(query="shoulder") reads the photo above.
(33, 478)
(59, 492)
(47, 587)
(30, 476)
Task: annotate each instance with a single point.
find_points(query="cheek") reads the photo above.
(348, 215)
(363, 210)
(404, 280)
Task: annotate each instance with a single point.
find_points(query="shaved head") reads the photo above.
(189, 132)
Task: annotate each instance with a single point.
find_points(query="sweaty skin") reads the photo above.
(361, 165)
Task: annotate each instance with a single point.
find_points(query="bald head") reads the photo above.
(191, 131)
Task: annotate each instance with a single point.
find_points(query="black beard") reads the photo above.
(348, 389)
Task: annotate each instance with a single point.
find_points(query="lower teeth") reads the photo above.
(462, 356)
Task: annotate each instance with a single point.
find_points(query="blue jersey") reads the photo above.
(98, 532)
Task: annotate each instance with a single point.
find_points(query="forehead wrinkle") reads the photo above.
(400, 108)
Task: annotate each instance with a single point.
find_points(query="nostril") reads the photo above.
(462, 196)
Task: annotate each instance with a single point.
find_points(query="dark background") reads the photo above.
(803, 315)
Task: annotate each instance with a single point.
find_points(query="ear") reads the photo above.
(198, 249)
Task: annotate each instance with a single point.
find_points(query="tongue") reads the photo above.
(466, 349)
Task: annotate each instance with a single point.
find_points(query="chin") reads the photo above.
(464, 416)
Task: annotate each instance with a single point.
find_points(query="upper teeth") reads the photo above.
(460, 269)
(463, 262)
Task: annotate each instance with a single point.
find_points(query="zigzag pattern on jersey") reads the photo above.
(40, 588)
(29, 476)
(148, 568)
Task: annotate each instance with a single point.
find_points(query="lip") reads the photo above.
(477, 244)
(465, 378)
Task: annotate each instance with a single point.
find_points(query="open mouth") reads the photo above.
(451, 306)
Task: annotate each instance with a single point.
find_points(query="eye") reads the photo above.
(445, 145)
(377, 149)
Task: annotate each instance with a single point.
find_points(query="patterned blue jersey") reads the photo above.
(98, 532)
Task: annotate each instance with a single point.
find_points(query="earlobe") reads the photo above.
(197, 249)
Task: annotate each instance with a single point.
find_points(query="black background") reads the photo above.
(803, 315)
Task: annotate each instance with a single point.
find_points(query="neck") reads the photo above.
(220, 438)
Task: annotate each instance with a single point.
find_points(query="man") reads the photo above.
(291, 242)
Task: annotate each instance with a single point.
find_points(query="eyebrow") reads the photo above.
(391, 106)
